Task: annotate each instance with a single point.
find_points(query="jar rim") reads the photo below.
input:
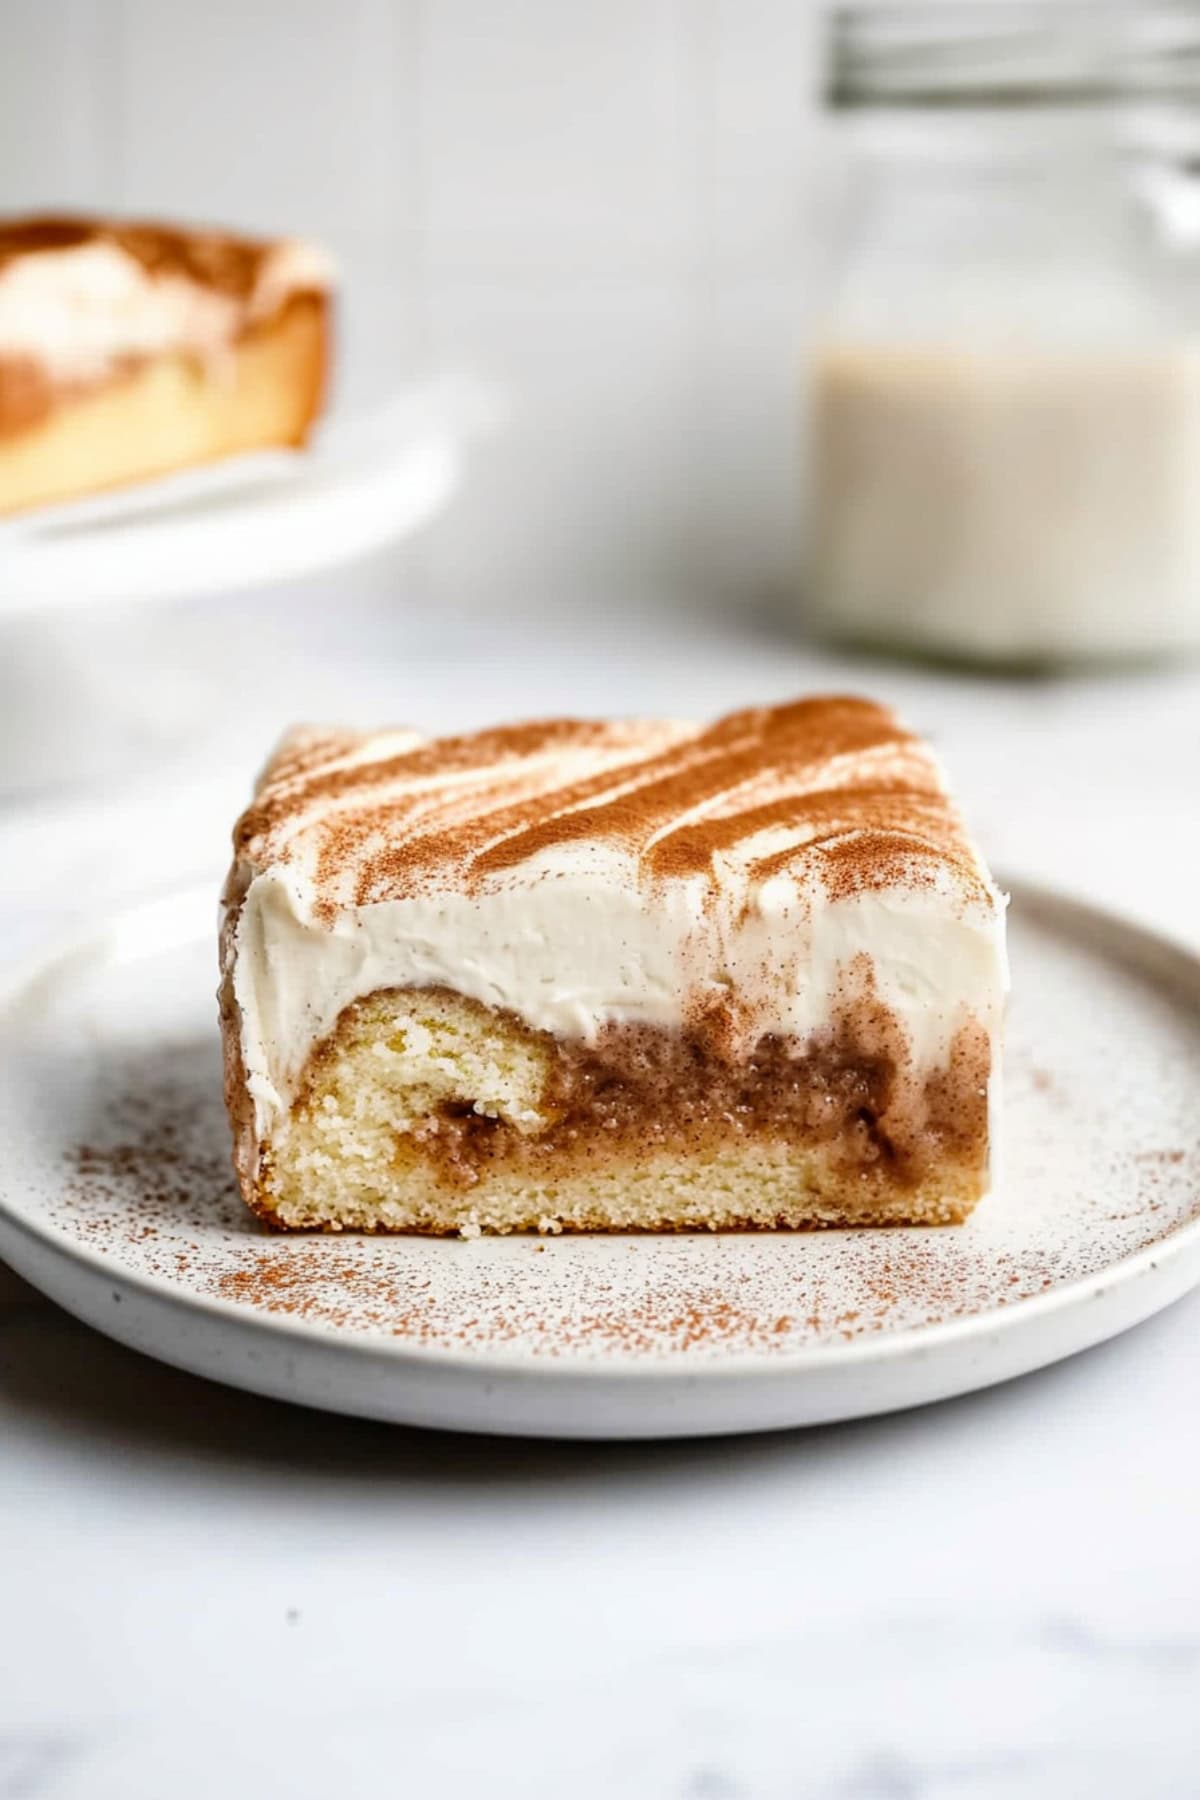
(945, 54)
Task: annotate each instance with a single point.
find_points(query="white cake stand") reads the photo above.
(68, 575)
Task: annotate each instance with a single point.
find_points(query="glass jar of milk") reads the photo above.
(1003, 387)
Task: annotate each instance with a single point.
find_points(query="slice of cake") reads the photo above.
(128, 351)
(612, 976)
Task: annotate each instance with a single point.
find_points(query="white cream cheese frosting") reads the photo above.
(79, 299)
(776, 866)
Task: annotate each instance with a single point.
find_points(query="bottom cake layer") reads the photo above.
(172, 414)
(425, 1112)
(748, 1188)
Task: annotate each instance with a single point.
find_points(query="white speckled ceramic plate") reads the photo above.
(116, 1200)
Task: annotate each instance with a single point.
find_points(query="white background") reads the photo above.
(599, 206)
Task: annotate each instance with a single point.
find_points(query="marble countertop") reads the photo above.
(203, 1592)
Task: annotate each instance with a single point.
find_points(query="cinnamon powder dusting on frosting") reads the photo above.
(222, 260)
(831, 790)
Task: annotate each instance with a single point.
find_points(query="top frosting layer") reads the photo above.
(750, 873)
(78, 296)
(831, 792)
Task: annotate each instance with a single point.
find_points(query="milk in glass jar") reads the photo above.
(1003, 388)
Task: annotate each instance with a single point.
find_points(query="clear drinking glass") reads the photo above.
(1004, 382)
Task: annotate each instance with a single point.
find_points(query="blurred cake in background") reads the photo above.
(133, 350)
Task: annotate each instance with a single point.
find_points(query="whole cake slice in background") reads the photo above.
(129, 351)
(612, 976)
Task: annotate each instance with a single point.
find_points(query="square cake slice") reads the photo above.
(128, 351)
(612, 976)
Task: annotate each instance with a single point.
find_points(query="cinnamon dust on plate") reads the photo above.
(151, 1189)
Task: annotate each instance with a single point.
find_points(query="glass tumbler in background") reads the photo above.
(1003, 386)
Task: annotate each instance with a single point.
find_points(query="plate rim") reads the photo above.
(19, 987)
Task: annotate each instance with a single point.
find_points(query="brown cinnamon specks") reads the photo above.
(860, 800)
(1088, 1182)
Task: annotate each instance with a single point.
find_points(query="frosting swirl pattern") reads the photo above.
(833, 789)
